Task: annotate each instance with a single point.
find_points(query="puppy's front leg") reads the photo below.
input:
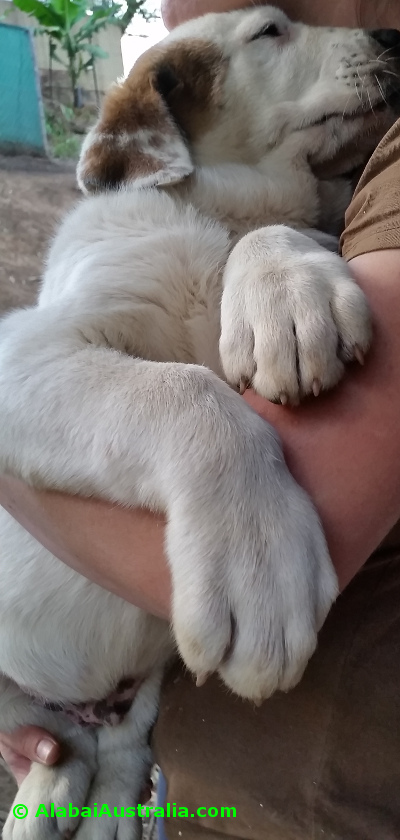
(244, 543)
(291, 315)
(82, 418)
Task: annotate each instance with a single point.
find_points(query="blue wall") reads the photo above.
(21, 121)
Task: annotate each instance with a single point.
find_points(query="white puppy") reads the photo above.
(113, 386)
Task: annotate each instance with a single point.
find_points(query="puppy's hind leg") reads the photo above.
(46, 793)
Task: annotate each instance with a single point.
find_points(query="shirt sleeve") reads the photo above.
(372, 221)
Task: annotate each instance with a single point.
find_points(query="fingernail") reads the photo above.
(44, 748)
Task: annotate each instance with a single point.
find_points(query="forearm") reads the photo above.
(121, 549)
(367, 13)
(344, 448)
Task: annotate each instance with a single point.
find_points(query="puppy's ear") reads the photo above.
(143, 134)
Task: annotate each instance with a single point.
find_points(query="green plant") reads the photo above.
(126, 10)
(62, 141)
(70, 26)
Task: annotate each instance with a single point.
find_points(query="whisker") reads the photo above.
(385, 70)
(345, 106)
(390, 73)
(370, 102)
(359, 93)
(381, 89)
(384, 53)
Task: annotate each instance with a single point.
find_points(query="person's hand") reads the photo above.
(27, 744)
(30, 743)
(369, 14)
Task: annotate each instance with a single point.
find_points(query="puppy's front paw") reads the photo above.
(291, 316)
(53, 798)
(252, 577)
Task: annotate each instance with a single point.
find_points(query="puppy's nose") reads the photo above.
(389, 39)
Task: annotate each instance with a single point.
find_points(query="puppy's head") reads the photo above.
(236, 87)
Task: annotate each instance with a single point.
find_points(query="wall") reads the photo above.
(21, 116)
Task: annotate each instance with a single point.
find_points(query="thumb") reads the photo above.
(27, 744)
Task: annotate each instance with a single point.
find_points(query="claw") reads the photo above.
(359, 355)
(201, 678)
(284, 399)
(316, 387)
(243, 385)
(258, 702)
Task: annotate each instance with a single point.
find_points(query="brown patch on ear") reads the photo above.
(169, 99)
(200, 69)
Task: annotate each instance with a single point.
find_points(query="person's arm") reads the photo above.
(344, 448)
(119, 548)
(369, 14)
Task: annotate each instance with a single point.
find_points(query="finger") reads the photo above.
(16, 764)
(32, 743)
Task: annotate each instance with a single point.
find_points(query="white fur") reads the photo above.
(112, 386)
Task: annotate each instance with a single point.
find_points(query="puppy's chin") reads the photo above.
(353, 156)
(347, 165)
(339, 175)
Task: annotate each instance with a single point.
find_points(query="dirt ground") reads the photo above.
(34, 194)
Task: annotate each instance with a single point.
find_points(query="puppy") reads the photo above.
(193, 268)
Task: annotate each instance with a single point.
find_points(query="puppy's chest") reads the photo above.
(163, 304)
(174, 320)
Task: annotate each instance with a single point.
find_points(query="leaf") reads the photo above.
(96, 51)
(73, 12)
(43, 12)
(99, 20)
(52, 32)
(59, 60)
(70, 11)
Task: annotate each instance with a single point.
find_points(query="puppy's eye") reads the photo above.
(269, 31)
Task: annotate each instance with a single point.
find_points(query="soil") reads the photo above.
(34, 195)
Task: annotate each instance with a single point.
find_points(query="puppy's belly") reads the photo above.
(62, 637)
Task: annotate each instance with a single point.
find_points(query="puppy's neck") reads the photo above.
(245, 197)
